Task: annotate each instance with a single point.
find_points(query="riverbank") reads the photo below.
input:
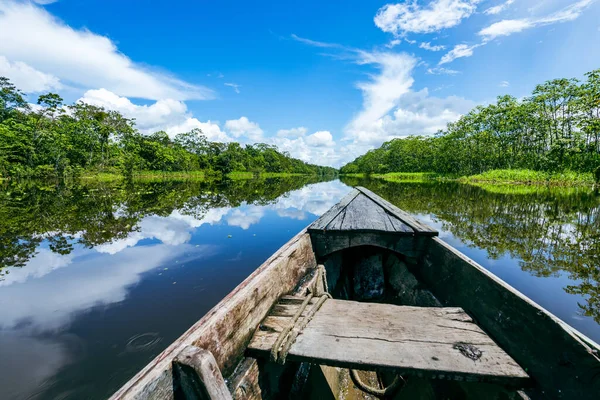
(195, 175)
(493, 177)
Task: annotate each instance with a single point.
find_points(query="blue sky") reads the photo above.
(325, 81)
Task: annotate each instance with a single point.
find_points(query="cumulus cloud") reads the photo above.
(210, 129)
(509, 26)
(320, 139)
(318, 149)
(151, 117)
(410, 17)
(80, 58)
(171, 116)
(245, 216)
(428, 46)
(244, 129)
(27, 78)
(499, 8)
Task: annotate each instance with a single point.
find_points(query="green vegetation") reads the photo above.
(554, 131)
(54, 140)
(532, 177)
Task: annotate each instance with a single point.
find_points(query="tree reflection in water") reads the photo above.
(96, 213)
(551, 230)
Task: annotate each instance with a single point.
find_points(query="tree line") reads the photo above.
(557, 128)
(53, 139)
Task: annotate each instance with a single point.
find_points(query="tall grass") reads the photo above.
(527, 176)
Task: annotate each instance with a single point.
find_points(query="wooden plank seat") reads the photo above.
(436, 343)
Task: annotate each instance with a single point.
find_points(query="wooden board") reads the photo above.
(325, 219)
(419, 227)
(363, 211)
(427, 342)
(358, 213)
(363, 214)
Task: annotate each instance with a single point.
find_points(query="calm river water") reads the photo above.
(97, 278)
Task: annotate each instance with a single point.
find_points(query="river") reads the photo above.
(97, 278)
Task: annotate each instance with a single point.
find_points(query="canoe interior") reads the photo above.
(390, 267)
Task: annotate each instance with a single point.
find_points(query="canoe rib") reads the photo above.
(226, 329)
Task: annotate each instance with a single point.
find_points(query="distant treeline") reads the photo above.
(557, 128)
(59, 140)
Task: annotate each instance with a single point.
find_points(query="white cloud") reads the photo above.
(459, 51)
(80, 58)
(44, 2)
(505, 28)
(315, 43)
(312, 152)
(235, 87)
(382, 93)
(410, 17)
(441, 71)
(428, 46)
(504, 84)
(320, 139)
(499, 8)
(244, 217)
(391, 109)
(293, 132)
(243, 128)
(168, 115)
(509, 26)
(50, 301)
(148, 117)
(393, 43)
(27, 78)
(210, 129)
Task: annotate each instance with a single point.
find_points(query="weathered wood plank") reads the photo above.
(563, 363)
(429, 342)
(247, 381)
(419, 227)
(325, 219)
(198, 377)
(228, 327)
(362, 214)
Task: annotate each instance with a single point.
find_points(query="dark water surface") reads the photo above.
(97, 278)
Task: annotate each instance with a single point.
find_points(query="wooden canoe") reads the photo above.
(392, 279)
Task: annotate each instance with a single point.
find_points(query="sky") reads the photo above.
(324, 81)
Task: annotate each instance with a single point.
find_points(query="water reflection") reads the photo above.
(97, 279)
(548, 233)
